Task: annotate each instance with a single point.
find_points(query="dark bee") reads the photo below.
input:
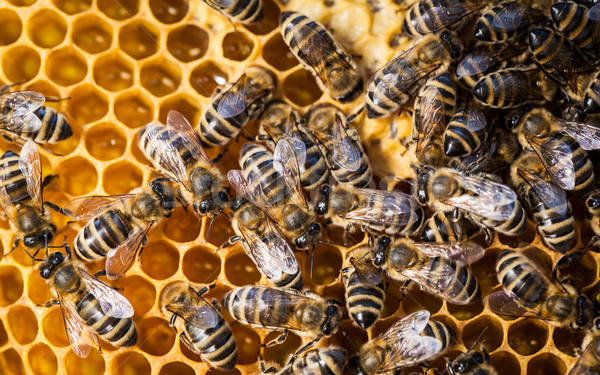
(200, 325)
(571, 18)
(379, 211)
(89, 307)
(118, 225)
(392, 86)
(429, 16)
(466, 132)
(244, 11)
(589, 360)
(176, 151)
(233, 106)
(340, 144)
(438, 268)
(472, 362)
(325, 361)
(530, 291)
(24, 117)
(506, 21)
(317, 50)
(365, 288)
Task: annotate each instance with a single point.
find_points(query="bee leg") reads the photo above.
(263, 366)
(230, 242)
(48, 179)
(52, 302)
(53, 207)
(594, 244)
(205, 289)
(217, 306)
(568, 259)
(278, 340)
(10, 85)
(97, 343)
(183, 337)
(103, 273)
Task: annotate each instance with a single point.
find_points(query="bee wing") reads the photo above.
(442, 14)
(368, 272)
(286, 301)
(407, 327)
(432, 111)
(31, 167)
(199, 314)
(255, 196)
(6, 203)
(111, 302)
(491, 200)
(551, 195)
(503, 303)
(586, 361)
(463, 253)
(180, 125)
(474, 63)
(232, 101)
(411, 351)
(594, 13)
(161, 144)
(475, 119)
(79, 335)
(588, 136)
(287, 164)
(84, 208)
(22, 104)
(221, 3)
(509, 18)
(120, 258)
(381, 206)
(344, 150)
(436, 280)
(558, 162)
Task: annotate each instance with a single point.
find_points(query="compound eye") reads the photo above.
(204, 205)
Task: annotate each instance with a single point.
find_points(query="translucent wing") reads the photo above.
(436, 277)
(80, 337)
(503, 303)
(367, 272)
(253, 195)
(180, 125)
(588, 136)
(586, 361)
(6, 203)
(221, 3)
(286, 163)
(21, 118)
(120, 258)
(31, 167)
(443, 14)
(345, 153)
(432, 111)
(551, 195)
(232, 102)
(594, 13)
(161, 142)
(384, 207)
(407, 327)
(111, 302)
(558, 161)
(85, 208)
(474, 63)
(199, 314)
(475, 119)
(410, 352)
(509, 18)
(463, 253)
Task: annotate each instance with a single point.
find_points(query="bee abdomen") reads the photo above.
(287, 280)
(463, 288)
(117, 331)
(591, 102)
(514, 226)
(215, 130)
(360, 178)
(556, 229)
(438, 228)
(13, 179)
(571, 19)
(55, 127)
(315, 171)
(247, 11)
(106, 232)
(327, 361)
(459, 140)
(440, 331)
(517, 276)
(363, 300)
(216, 345)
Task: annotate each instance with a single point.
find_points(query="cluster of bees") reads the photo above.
(506, 103)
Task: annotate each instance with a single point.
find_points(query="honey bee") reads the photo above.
(591, 101)
(317, 50)
(530, 291)
(440, 227)
(200, 325)
(589, 360)
(21, 198)
(506, 21)
(392, 86)
(243, 11)
(438, 268)
(486, 203)
(365, 288)
(340, 144)
(592, 204)
(89, 307)
(233, 106)
(402, 345)
(429, 16)
(118, 224)
(280, 121)
(571, 18)
(472, 362)
(265, 245)
(514, 87)
(378, 211)
(548, 203)
(176, 151)
(466, 132)
(482, 59)
(305, 313)
(325, 361)
(24, 117)
(273, 185)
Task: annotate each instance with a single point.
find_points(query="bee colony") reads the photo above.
(117, 66)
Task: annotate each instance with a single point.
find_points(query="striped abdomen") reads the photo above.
(440, 228)
(414, 216)
(572, 20)
(463, 135)
(13, 179)
(440, 331)
(428, 16)
(102, 234)
(244, 11)
(518, 276)
(462, 288)
(55, 127)
(258, 306)
(216, 129)
(513, 226)
(556, 228)
(585, 178)
(216, 345)
(508, 88)
(591, 102)
(257, 163)
(360, 178)
(117, 331)
(326, 361)
(314, 172)
(364, 301)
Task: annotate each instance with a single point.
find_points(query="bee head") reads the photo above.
(593, 202)
(42, 239)
(334, 317)
(322, 200)
(50, 263)
(454, 46)
(380, 249)
(584, 312)
(310, 237)
(164, 191)
(423, 174)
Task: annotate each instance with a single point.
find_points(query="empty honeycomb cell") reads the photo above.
(105, 141)
(546, 364)
(281, 353)
(237, 46)
(418, 300)
(139, 39)
(11, 362)
(206, 77)
(326, 266)
(11, 285)
(22, 323)
(201, 265)
(67, 146)
(516, 241)
(393, 297)
(270, 20)
(46, 28)
(91, 33)
(37, 289)
(357, 336)
(119, 9)
(160, 76)
(22, 3)
(277, 53)
(491, 339)
(183, 226)
(465, 312)
(87, 104)
(139, 292)
(159, 260)
(133, 109)
(53, 327)
(3, 334)
(131, 363)
(181, 103)
(72, 6)
(176, 368)
(248, 344)
(77, 176)
(66, 66)
(568, 341)
(169, 11)
(527, 336)
(301, 88)
(240, 270)
(113, 72)
(155, 337)
(10, 27)
(485, 268)
(20, 63)
(583, 272)
(121, 178)
(187, 43)
(505, 363)
(187, 353)
(42, 360)
(92, 365)
(137, 153)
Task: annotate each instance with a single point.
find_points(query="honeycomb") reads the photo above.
(124, 63)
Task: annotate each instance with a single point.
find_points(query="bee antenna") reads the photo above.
(349, 338)
(210, 227)
(312, 261)
(478, 339)
(404, 180)
(362, 256)
(331, 243)
(355, 114)
(33, 258)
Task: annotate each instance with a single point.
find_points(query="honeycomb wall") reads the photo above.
(128, 62)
